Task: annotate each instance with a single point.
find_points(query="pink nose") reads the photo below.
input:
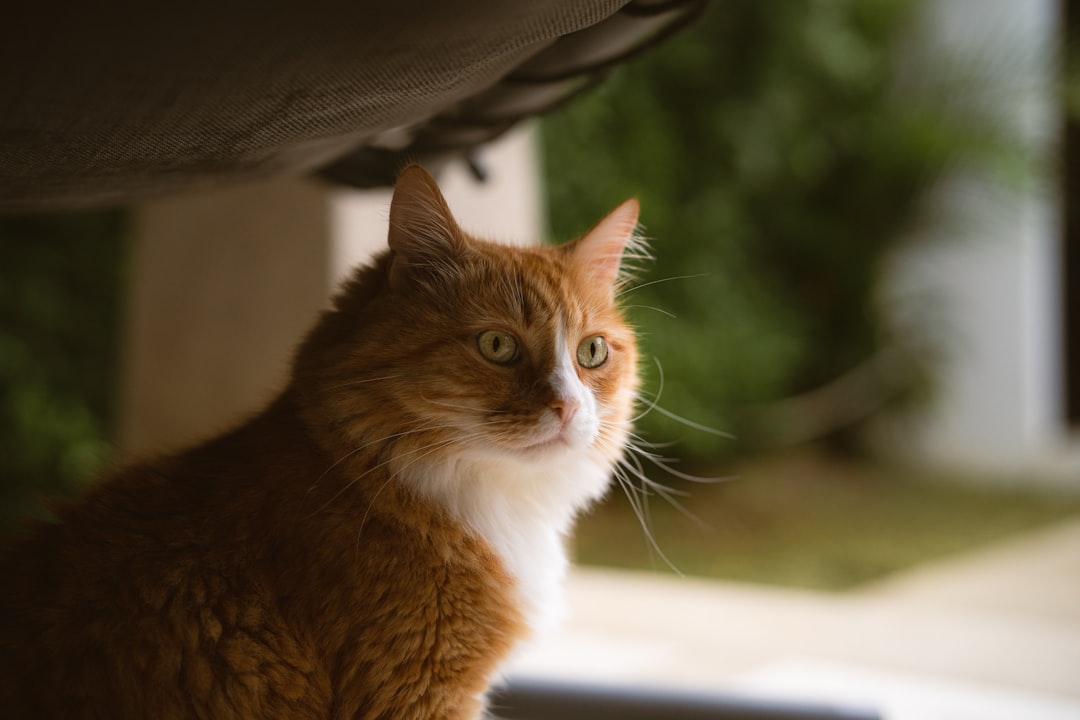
(566, 408)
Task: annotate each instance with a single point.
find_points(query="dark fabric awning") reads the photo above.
(105, 103)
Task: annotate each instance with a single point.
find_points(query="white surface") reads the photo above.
(899, 696)
(992, 635)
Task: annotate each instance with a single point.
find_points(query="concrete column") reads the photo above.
(225, 284)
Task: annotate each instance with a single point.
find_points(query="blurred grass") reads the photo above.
(810, 521)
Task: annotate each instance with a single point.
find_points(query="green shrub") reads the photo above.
(60, 300)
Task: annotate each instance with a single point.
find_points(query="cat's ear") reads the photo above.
(423, 233)
(599, 252)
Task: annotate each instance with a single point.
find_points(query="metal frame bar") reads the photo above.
(543, 700)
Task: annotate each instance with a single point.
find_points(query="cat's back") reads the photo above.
(147, 599)
(69, 589)
(238, 580)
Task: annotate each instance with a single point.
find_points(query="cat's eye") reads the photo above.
(497, 346)
(592, 352)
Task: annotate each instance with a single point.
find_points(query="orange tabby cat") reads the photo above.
(375, 542)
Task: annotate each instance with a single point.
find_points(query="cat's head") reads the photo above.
(455, 347)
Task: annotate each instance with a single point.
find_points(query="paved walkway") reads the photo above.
(993, 635)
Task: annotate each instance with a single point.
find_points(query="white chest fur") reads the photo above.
(523, 510)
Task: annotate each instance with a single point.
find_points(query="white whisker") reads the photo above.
(456, 406)
(659, 392)
(662, 463)
(637, 505)
(362, 382)
(356, 450)
(667, 494)
(652, 307)
(691, 423)
(627, 291)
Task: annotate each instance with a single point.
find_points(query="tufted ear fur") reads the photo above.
(424, 237)
(600, 251)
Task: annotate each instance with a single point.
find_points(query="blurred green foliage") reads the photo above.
(779, 159)
(60, 304)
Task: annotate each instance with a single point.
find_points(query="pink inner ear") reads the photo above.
(601, 249)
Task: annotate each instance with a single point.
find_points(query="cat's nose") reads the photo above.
(565, 408)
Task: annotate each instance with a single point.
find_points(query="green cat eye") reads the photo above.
(592, 352)
(498, 346)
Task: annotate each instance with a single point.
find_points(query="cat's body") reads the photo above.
(374, 543)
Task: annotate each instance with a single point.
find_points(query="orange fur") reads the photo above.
(353, 550)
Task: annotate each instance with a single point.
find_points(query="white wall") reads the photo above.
(507, 208)
(988, 288)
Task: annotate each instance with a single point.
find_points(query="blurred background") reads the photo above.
(861, 329)
(860, 289)
(862, 277)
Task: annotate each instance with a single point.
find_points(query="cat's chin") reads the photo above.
(560, 444)
(573, 438)
(553, 445)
